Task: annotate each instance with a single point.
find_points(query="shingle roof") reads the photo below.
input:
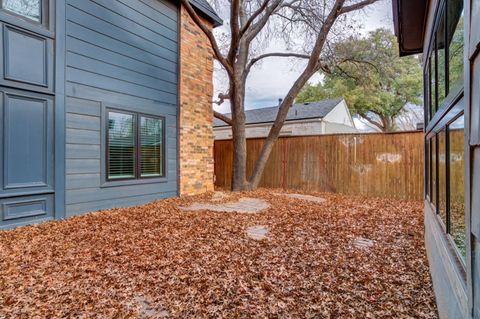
(298, 111)
(207, 9)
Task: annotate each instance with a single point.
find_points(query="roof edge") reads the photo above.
(408, 14)
(208, 12)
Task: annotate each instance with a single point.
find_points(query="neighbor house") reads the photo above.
(104, 104)
(311, 118)
(447, 33)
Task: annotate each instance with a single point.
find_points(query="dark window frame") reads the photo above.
(451, 96)
(448, 185)
(137, 146)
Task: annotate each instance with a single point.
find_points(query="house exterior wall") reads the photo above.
(297, 128)
(121, 55)
(338, 120)
(340, 115)
(196, 114)
(80, 61)
(472, 147)
(456, 282)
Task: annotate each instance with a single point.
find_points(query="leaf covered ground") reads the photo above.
(157, 261)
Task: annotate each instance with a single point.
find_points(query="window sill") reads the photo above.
(130, 182)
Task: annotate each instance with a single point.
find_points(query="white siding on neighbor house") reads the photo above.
(311, 127)
(338, 120)
(336, 128)
(341, 115)
(297, 128)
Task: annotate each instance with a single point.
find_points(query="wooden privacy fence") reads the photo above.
(372, 164)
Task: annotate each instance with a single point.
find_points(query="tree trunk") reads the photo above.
(239, 174)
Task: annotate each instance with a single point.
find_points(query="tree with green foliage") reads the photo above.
(374, 80)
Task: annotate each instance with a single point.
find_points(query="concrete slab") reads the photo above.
(244, 205)
(258, 232)
(363, 243)
(309, 198)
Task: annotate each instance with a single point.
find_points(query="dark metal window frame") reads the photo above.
(451, 97)
(137, 145)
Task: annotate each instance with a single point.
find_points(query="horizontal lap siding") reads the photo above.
(119, 53)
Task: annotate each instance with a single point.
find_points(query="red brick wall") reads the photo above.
(195, 118)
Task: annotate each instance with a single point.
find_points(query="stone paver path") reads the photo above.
(219, 196)
(257, 232)
(244, 205)
(309, 198)
(363, 243)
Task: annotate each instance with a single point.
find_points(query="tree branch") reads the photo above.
(198, 21)
(376, 124)
(275, 54)
(255, 28)
(222, 117)
(253, 17)
(221, 98)
(356, 6)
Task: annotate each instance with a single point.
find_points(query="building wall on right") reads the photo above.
(452, 155)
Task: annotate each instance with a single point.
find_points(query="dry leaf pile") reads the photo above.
(156, 261)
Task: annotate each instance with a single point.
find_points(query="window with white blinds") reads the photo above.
(135, 146)
(151, 141)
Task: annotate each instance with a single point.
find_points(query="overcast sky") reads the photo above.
(274, 77)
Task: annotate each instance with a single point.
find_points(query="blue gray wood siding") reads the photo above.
(124, 54)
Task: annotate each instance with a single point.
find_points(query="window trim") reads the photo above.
(105, 181)
(46, 25)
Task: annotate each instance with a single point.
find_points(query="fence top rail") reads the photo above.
(336, 134)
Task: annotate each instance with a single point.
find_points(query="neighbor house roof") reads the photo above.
(300, 111)
(409, 19)
(204, 7)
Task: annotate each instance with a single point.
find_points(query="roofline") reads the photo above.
(217, 21)
(340, 100)
(271, 122)
(403, 15)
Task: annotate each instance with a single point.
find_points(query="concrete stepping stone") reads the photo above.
(258, 232)
(309, 198)
(244, 205)
(363, 243)
(218, 196)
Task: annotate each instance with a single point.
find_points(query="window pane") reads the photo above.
(121, 145)
(27, 8)
(433, 87)
(455, 44)
(428, 164)
(457, 180)
(151, 159)
(442, 176)
(441, 61)
(433, 185)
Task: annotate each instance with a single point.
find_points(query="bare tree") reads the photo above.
(249, 20)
